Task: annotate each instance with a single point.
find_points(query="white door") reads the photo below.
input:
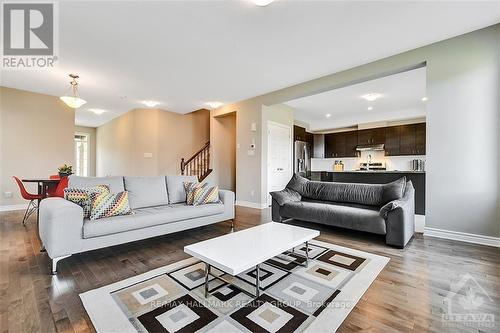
(279, 157)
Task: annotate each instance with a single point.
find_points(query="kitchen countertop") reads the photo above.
(373, 171)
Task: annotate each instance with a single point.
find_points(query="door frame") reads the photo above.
(290, 154)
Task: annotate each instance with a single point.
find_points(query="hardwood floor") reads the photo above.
(408, 296)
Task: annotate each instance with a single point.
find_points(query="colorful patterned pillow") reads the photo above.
(109, 204)
(190, 187)
(81, 196)
(206, 194)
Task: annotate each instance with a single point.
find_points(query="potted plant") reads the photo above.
(65, 170)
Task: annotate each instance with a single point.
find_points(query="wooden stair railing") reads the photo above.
(198, 164)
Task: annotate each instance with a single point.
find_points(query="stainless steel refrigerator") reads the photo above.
(302, 158)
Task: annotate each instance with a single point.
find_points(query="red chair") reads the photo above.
(51, 188)
(33, 198)
(58, 191)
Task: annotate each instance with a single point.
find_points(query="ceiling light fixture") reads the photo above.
(424, 99)
(262, 3)
(73, 101)
(214, 104)
(150, 104)
(371, 96)
(328, 115)
(370, 108)
(97, 111)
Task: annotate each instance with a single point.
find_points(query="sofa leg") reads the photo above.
(232, 225)
(55, 261)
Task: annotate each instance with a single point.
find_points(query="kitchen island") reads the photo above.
(378, 177)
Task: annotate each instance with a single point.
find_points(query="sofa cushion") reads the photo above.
(298, 184)
(357, 217)
(81, 196)
(175, 187)
(148, 217)
(109, 204)
(146, 191)
(364, 194)
(115, 184)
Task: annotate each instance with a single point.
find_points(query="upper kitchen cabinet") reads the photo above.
(392, 135)
(371, 136)
(299, 133)
(341, 144)
(412, 139)
(420, 138)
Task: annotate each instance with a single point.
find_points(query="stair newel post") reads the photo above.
(182, 166)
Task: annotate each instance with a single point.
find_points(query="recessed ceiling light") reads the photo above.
(97, 111)
(214, 104)
(262, 3)
(424, 99)
(371, 96)
(370, 108)
(150, 104)
(328, 115)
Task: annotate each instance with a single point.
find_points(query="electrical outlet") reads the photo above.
(7, 194)
(252, 193)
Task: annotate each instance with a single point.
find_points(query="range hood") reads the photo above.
(370, 147)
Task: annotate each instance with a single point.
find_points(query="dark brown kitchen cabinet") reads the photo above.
(299, 133)
(392, 135)
(407, 140)
(310, 138)
(420, 138)
(351, 142)
(371, 136)
(341, 144)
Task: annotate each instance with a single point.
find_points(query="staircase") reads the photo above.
(198, 164)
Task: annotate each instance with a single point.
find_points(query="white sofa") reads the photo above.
(158, 203)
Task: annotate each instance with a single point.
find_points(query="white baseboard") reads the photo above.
(251, 204)
(419, 223)
(8, 208)
(462, 236)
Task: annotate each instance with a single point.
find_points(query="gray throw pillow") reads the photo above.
(298, 184)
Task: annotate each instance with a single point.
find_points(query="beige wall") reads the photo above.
(92, 132)
(166, 136)
(224, 162)
(463, 91)
(36, 136)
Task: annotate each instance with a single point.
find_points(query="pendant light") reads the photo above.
(73, 101)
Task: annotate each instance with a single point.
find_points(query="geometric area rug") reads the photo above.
(293, 298)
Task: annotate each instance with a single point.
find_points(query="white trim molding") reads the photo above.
(9, 208)
(249, 204)
(462, 236)
(419, 223)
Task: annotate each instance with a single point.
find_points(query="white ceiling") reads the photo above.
(186, 53)
(401, 99)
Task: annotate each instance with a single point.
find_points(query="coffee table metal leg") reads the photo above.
(207, 273)
(257, 281)
(307, 254)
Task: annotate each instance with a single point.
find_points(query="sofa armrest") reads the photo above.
(399, 217)
(61, 226)
(286, 195)
(227, 198)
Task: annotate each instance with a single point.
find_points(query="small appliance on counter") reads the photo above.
(338, 166)
(372, 166)
(418, 165)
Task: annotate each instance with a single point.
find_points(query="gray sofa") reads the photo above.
(158, 204)
(386, 209)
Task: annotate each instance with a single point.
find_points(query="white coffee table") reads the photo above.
(236, 252)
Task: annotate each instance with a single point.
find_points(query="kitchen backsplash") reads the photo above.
(399, 163)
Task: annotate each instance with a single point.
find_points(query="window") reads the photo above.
(82, 154)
